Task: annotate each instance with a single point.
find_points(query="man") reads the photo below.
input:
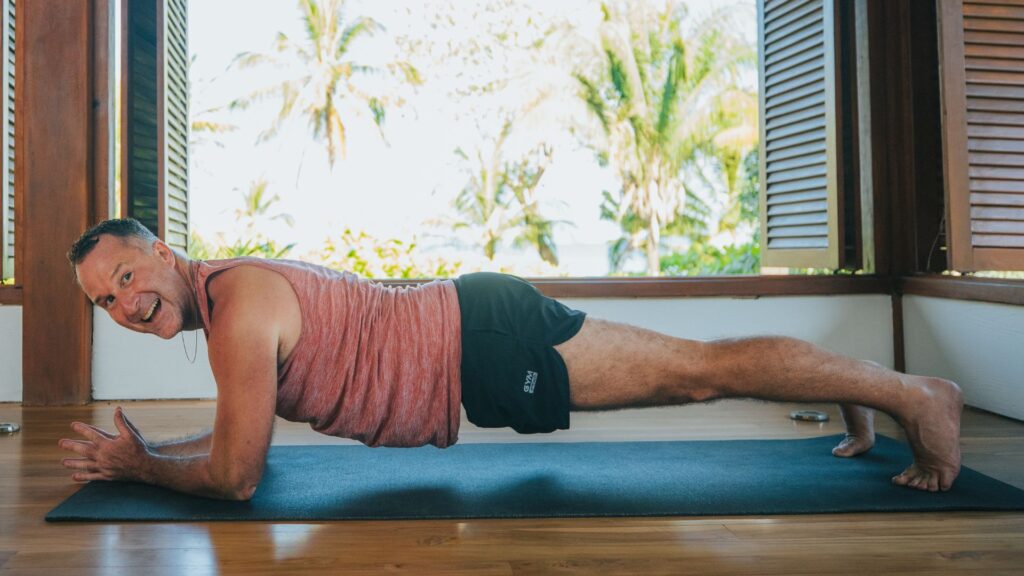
(391, 366)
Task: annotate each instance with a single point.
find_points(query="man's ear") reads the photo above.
(163, 251)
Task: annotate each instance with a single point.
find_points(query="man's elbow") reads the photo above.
(242, 493)
(240, 486)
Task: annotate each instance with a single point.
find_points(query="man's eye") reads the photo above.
(109, 300)
(127, 276)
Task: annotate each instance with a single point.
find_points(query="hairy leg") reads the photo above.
(614, 365)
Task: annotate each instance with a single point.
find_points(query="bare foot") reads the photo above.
(931, 420)
(860, 431)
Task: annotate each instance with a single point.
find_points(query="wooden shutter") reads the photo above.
(982, 63)
(155, 117)
(800, 172)
(7, 167)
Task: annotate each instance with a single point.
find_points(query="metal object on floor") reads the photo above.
(9, 427)
(809, 416)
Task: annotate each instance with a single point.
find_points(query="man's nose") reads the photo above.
(129, 303)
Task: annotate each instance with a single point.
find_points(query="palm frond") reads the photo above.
(312, 19)
(377, 109)
(364, 26)
(408, 71)
(212, 127)
(251, 59)
(674, 80)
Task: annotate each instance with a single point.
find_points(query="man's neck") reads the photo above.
(186, 269)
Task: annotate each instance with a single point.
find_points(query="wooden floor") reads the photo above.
(930, 543)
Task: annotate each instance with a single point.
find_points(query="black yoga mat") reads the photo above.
(556, 480)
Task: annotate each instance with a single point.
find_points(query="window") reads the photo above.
(495, 135)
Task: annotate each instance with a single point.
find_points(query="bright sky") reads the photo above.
(389, 190)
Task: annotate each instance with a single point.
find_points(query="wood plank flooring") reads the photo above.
(32, 482)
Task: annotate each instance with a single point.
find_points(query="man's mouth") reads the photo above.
(152, 310)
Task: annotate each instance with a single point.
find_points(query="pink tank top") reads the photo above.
(374, 363)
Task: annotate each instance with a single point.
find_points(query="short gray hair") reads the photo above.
(124, 228)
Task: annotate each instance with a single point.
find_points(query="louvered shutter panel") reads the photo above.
(982, 51)
(7, 208)
(799, 171)
(155, 117)
(175, 124)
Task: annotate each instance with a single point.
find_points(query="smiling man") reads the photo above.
(391, 367)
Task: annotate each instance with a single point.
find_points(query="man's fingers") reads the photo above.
(84, 464)
(91, 432)
(126, 427)
(87, 476)
(83, 447)
(121, 421)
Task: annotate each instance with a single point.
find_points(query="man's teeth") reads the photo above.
(152, 309)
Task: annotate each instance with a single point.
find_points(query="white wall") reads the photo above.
(979, 345)
(10, 353)
(127, 365)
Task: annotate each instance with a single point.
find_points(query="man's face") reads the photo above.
(137, 285)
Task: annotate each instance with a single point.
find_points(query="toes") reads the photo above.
(842, 449)
(851, 446)
(921, 479)
(907, 477)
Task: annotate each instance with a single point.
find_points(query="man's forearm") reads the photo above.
(191, 475)
(194, 445)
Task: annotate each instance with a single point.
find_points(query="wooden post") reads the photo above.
(62, 98)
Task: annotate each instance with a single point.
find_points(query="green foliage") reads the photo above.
(200, 249)
(326, 84)
(256, 205)
(659, 94)
(703, 259)
(370, 257)
(750, 190)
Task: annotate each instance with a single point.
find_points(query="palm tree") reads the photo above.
(326, 90)
(654, 97)
(499, 199)
(725, 161)
(256, 205)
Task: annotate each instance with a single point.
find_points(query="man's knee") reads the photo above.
(694, 380)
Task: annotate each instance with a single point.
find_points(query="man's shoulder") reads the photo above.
(245, 280)
(251, 291)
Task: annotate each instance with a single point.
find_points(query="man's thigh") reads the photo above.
(613, 365)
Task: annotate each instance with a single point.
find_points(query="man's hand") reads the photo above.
(106, 456)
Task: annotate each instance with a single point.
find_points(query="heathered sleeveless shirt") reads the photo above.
(374, 363)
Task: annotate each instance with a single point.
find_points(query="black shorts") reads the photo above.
(511, 373)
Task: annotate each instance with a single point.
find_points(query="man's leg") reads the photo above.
(614, 365)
